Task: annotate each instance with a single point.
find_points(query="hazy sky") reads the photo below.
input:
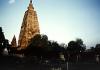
(60, 20)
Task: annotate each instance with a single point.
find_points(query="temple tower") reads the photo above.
(29, 28)
(14, 43)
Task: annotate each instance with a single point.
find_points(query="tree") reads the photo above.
(97, 48)
(72, 47)
(75, 48)
(2, 40)
(2, 37)
(37, 46)
(80, 45)
(56, 51)
(92, 49)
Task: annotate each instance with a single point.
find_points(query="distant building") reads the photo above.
(29, 28)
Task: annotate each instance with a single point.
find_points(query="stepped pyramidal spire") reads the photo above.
(29, 28)
(14, 43)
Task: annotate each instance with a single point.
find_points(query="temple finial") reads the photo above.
(30, 5)
(30, 1)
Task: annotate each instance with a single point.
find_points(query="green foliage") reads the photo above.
(76, 46)
(37, 45)
(2, 41)
(97, 49)
(40, 46)
(2, 38)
